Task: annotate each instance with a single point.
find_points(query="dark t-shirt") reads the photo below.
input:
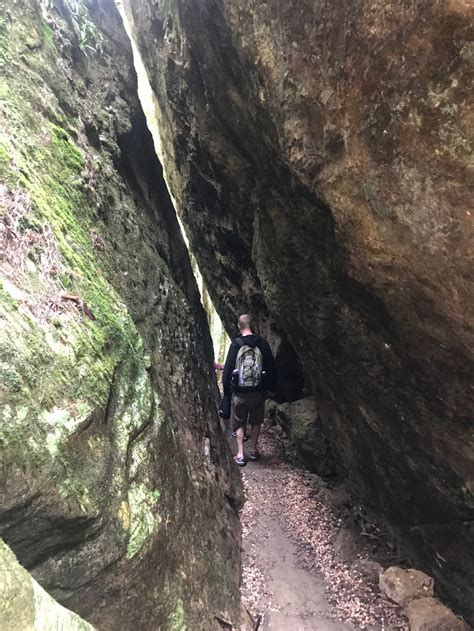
(269, 381)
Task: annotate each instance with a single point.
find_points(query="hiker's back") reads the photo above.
(248, 372)
(250, 365)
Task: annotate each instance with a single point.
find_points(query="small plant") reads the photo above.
(98, 241)
(90, 39)
(15, 243)
(19, 243)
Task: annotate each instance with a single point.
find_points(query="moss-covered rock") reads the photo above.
(105, 355)
(25, 606)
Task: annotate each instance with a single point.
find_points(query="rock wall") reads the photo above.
(25, 606)
(319, 154)
(117, 491)
(301, 423)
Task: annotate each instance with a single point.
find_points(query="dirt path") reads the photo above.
(292, 574)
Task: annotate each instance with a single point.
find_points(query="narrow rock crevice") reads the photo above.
(165, 167)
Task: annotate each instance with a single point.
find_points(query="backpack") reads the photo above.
(248, 367)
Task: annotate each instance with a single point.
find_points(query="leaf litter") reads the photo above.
(312, 523)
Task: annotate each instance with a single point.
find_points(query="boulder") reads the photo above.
(309, 437)
(428, 614)
(403, 586)
(25, 606)
(302, 424)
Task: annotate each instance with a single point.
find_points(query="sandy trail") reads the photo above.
(292, 576)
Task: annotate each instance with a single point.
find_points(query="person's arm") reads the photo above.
(229, 367)
(269, 366)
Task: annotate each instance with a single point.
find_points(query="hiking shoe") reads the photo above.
(254, 455)
(239, 461)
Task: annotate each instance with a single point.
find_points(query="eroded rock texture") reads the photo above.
(301, 423)
(116, 489)
(25, 606)
(319, 153)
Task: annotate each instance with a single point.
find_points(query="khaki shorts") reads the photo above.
(247, 407)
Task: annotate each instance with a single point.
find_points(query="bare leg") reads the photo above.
(254, 434)
(240, 441)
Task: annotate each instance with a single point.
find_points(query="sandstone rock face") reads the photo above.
(116, 480)
(428, 614)
(403, 586)
(302, 424)
(319, 155)
(25, 606)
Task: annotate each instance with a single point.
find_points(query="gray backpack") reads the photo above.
(248, 367)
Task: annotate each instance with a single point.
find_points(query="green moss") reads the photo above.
(47, 33)
(65, 149)
(26, 605)
(4, 159)
(8, 174)
(6, 295)
(5, 54)
(177, 619)
(10, 377)
(143, 516)
(52, 176)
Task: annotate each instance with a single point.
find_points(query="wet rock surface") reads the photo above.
(116, 481)
(319, 155)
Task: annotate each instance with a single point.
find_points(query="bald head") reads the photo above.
(245, 322)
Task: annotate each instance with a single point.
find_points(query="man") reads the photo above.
(248, 372)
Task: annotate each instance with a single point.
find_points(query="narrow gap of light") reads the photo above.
(147, 100)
